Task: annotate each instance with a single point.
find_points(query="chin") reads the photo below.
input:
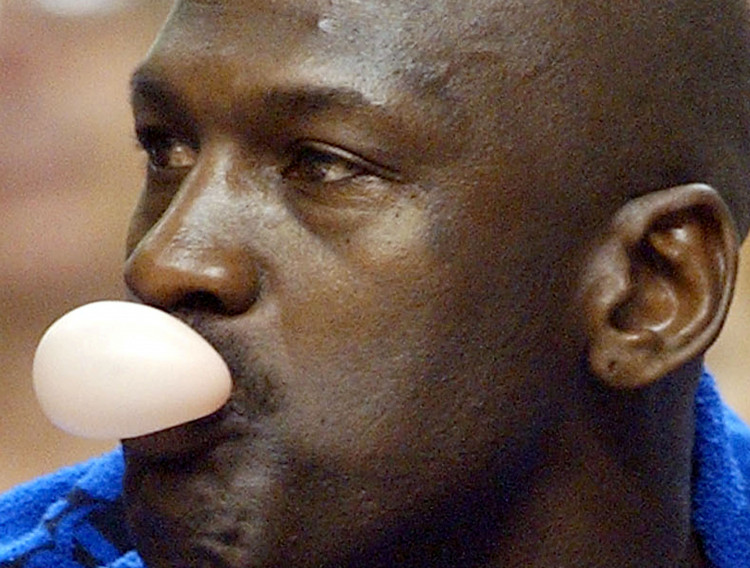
(215, 508)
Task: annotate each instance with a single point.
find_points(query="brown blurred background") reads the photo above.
(69, 176)
(70, 172)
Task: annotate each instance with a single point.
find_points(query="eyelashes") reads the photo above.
(306, 162)
(318, 163)
(166, 152)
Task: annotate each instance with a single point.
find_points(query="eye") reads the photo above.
(167, 152)
(319, 163)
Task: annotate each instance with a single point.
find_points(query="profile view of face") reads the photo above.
(359, 204)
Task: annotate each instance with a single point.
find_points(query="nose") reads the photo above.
(192, 258)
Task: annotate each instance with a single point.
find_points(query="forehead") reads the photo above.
(427, 47)
(416, 23)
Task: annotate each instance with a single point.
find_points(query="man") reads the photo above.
(463, 259)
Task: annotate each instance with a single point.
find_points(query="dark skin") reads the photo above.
(452, 344)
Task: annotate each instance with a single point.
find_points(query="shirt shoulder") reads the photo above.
(739, 439)
(72, 518)
(721, 479)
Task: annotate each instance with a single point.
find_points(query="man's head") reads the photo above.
(405, 225)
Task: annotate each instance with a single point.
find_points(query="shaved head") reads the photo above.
(668, 84)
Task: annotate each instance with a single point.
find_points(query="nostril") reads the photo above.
(201, 301)
(164, 272)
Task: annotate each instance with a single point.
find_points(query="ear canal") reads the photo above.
(658, 285)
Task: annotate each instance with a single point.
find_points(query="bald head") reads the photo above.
(638, 95)
(668, 86)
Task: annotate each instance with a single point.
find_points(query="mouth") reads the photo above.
(191, 438)
(251, 399)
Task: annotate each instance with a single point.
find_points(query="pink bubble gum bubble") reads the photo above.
(121, 370)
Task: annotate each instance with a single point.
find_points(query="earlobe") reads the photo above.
(657, 286)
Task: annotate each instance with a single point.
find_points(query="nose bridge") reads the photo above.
(194, 253)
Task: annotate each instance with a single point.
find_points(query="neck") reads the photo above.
(607, 484)
(613, 488)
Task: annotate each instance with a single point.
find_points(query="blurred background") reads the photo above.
(70, 173)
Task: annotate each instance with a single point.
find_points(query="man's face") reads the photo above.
(358, 210)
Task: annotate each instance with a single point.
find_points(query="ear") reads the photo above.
(657, 286)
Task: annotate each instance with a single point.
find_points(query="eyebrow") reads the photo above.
(150, 90)
(146, 89)
(317, 98)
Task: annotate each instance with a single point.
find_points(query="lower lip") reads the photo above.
(191, 438)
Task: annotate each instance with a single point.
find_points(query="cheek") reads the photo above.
(388, 372)
(357, 334)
